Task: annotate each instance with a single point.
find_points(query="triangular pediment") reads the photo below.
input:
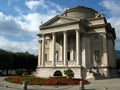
(58, 20)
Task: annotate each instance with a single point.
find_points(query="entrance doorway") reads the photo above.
(68, 56)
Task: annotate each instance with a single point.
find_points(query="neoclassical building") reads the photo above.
(80, 39)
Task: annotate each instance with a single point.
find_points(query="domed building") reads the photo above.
(80, 39)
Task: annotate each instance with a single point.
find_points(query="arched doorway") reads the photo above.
(58, 73)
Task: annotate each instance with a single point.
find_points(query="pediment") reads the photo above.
(57, 21)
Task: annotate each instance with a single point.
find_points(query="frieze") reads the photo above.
(60, 28)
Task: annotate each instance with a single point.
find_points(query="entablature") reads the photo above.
(60, 28)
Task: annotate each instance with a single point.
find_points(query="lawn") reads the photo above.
(32, 80)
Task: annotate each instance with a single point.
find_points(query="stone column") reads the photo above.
(72, 49)
(105, 56)
(77, 47)
(88, 53)
(53, 48)
(65, 48)
(84, 51)
(43, 51)
(39, 54)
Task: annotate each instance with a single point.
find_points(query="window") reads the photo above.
(45, 57)
(68, 56)
(96, 52)
(46, 42)
(97, 56)
(56, 55)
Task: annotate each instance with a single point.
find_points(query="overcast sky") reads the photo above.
(20, 20)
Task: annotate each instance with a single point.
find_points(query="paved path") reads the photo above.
(107, 84)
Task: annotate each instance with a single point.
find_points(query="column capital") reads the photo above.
(53, 33)
(64, 31)
(39, 41)
(77, 29)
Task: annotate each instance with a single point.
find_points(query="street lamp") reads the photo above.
(82, 78)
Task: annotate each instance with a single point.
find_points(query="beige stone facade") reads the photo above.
(78, 38)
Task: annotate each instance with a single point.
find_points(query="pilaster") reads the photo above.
(105, 56)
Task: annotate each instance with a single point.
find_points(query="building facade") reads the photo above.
(80, 39)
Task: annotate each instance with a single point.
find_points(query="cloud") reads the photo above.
(15, 46)
(9, 25)
(32, 21)
(46, 5)
(17, 9)
(113, 7)
(34, 4)
(22, 24)
(9, 2)
(115, 21)
(25, 25)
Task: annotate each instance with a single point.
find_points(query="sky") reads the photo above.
(20, 20)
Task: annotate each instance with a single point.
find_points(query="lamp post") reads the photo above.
(82, 78)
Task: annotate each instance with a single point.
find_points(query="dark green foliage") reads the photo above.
(118, 63)
(20, 60)
(19, 72)
(58, 73)
(69, 73)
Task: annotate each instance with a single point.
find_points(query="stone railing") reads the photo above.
(71, 63)
(59, 63)
(48, 63)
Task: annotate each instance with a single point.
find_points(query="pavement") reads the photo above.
(106, 84)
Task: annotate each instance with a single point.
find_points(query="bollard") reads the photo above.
(25, 85)
(81, 85)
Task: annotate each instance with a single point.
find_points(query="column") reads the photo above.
(85, 46)
(105, 57)
(77, 47)
(43, 51)
(65, 48)
(53, 48)
(88, 53)
(72, 49)
(39, 54)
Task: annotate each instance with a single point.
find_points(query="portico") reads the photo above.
(64, 55)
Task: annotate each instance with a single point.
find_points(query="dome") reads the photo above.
(80, 12)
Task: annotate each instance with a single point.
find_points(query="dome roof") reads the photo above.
(80, 12)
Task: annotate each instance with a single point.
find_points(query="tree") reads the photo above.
(69, 73)
(19, 60)
(6, 61)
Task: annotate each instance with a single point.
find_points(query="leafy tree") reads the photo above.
(18, 60)
(69, 73)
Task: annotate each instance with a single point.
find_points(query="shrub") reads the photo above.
(19, 72)
(69, 73)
